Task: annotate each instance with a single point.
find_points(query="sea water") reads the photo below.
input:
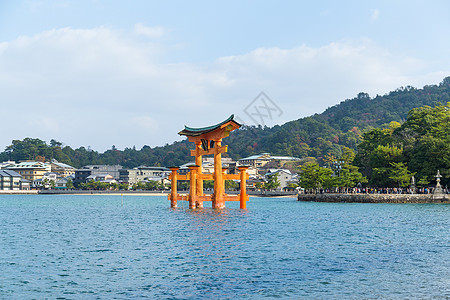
(132, 247)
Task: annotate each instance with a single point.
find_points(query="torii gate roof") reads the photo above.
(192, 132)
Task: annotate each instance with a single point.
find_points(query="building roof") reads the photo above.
(274, 171)
(29, 164)
(104, 175)
(109, 180)
(189, 131)
(253, 157)
(268, 156)
(9, 173)
(6, 164)
(187, 165)
(155, 178)
(50, 173)
(152, 168)
(91, 167)
(62, 165)
(284, 158)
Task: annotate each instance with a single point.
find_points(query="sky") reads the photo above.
(98, 73)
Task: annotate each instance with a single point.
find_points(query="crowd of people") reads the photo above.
(374, 190)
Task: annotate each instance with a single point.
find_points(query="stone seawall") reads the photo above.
(375, 198)
(21, 192)
(107, 192)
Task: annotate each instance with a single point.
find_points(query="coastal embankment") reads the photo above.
(375, 198)
(22, 192)
(274, 194)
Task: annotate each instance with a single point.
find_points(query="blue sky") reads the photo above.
(132, 73)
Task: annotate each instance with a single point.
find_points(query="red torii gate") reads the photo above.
(208, 140)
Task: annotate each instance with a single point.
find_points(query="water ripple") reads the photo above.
(67, 247)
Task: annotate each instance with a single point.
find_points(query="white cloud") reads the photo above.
(151, 32)
(375, 14)
(101, 87)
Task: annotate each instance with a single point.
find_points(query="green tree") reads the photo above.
(400, 174)
(208, 184)
(45, 183)
(124, 186)
(373, 149)
(313, 176)
(69, 184)
(292, 186)
(184, 185)
(231, 185)
(139, 186)
(92, 184)
(152, 185)
(103, 186)
(349, 175)
(423, 181)
(272, 182)
(259, 185)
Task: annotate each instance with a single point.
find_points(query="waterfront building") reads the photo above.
(45, 181)
(184, 169)
(143, 173)
(25, 185)
(261, 160)
(31, 170)
(9, 180)
(253, 182)
(82, 174)
(208, 164)
(284, 177)
(102, 178)
(63, 170)
(112, 170)
(233, 168)
(61, 183)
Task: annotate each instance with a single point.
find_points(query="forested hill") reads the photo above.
(340, 125)
(314, 136)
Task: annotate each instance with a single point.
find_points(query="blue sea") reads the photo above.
(134, 247)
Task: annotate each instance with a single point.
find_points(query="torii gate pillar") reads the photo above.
(217, 201)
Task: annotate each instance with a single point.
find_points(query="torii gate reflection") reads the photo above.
(208, 140)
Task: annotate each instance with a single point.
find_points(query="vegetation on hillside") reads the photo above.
(339, 173)
(318, 136)
(420, 146)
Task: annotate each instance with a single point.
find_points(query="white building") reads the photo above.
(142, 174)
(261, 160)
(285, 177)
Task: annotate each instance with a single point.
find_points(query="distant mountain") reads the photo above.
(314, 136)
(340, 125)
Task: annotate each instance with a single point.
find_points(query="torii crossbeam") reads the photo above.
(208, 141)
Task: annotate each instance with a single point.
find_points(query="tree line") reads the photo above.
(391, 156)
(389, 144)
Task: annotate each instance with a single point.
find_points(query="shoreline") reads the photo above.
(12, 192)
(264, 194)
(375, 198)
